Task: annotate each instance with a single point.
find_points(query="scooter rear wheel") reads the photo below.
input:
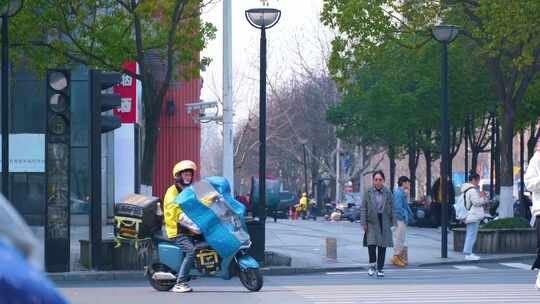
(251, 278)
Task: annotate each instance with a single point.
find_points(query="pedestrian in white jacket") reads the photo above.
(474, 202)
(532, 182)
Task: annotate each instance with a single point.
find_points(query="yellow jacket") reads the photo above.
(172, 211)
(304, 203)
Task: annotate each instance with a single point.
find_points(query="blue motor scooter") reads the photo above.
(221, 248)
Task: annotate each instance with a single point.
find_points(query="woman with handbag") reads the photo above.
(377, 218)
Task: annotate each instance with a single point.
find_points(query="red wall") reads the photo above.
(179, 136)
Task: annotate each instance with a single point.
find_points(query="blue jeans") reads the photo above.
(470, 237)
(186, 245)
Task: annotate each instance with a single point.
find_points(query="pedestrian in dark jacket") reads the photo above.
(377, 217)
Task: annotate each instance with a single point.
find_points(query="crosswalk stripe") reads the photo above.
(470, 296)
(386, 271)
(517, 265)
(527, 300)
(406, 289)
(522, 295)
(468, 267)
(335, 302)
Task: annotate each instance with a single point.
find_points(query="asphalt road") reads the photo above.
(486, 283)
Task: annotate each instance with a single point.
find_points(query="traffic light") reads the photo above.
(57, 171)
(101, 100)
(104, 101)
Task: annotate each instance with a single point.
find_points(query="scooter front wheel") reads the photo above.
(251, 278)
(159, 285)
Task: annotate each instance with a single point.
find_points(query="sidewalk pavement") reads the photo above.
(305, 242)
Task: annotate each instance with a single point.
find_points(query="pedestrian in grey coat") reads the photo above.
(377, 218)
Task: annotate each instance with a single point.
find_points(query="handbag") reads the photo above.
(364, 240)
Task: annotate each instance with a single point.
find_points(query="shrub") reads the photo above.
(507, 223)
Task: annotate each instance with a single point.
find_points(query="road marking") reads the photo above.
(437, 294)
(468, 267)
(334, 302)
(386, 270)
(517, 265)
(346, 272)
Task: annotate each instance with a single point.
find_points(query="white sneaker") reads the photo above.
(181, 288)
(472, 257)
(538, 281)
(371, 270)
(380, 274)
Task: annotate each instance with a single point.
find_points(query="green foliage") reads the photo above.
(107, 33)
(394, 99)
(501, 35)
(500, 29)
(507, 223)
(529, 110)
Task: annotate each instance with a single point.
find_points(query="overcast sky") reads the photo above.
(298, 28)
(298, 31)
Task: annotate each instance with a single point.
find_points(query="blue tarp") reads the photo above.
(218, 227)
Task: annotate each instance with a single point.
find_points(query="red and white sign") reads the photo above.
(130, 92)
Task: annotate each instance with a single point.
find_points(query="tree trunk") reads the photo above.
(392, 158)
(474, 160)
(507, 162)
(152, 106)
(427, 154)
(151, 134)
(533, 139)
(498, 184)
(456, 140)
(413, 163)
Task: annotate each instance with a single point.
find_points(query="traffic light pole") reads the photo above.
(95, 169)
(99, 124)
(5, 110)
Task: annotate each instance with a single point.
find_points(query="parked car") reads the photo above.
(352, 214)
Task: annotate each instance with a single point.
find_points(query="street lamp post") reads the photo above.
(8, 9)
(263, 19)
(522, 207)
(445, 34)
(305, 166)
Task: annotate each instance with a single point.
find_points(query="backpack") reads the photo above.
(460, 206)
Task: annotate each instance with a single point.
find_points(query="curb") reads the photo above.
(130, 275)
(86, 276)
(481, 261)
(279, 271)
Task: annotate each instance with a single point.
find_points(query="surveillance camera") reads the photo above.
(200, 106)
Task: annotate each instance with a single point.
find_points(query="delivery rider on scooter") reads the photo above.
(183, 173)
(302, 207)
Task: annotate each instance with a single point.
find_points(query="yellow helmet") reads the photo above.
(184, 165)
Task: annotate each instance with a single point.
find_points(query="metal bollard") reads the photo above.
(331, 248)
